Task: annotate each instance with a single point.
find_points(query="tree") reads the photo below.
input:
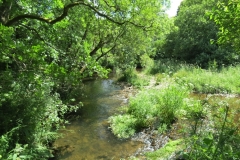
(191, 40)
(226, 15)
(47, 48)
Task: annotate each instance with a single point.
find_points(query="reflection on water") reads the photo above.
(90, 137)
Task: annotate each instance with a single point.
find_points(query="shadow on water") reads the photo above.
(89, 137)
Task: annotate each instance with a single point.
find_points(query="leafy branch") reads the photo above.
(61, 17)
(66, 8)
(36, 17)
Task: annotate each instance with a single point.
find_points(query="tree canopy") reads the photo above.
(48, 47)
(191, 39)
(226, 15)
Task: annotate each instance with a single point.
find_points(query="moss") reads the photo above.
(165, 151)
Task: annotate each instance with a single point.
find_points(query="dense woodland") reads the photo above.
(47, 48)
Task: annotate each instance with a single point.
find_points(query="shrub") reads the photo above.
(167, 66)
(123, 126)
(30, 115)
(147, 63)
(144, 107)
(148, 108)
(171, 100)
(160, 77)
(130, 75)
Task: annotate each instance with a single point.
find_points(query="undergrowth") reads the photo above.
(132, 77)
(224, 80)
(167, 150)
(152, 107)
(210, 129)
(217, 138)
(207, 81)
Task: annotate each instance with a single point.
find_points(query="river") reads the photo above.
(89, 137)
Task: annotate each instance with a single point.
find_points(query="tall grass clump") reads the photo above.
(207, 81)
(144, 107)
(170, 101)
(123, 126)
(151, 108)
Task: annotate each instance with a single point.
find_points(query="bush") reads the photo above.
(30, 115)
(123, 126)
(171, 100)
(167, 66)
(144, 107)
(148, 108)
(147, 63)
(130, 75)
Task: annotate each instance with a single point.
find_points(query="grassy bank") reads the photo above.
(208, 122)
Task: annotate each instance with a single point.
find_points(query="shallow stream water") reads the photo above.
(88, 137)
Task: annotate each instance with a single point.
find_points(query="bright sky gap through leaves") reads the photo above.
(173, 9)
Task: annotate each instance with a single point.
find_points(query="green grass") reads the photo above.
(219, 140)
(207, 81)
(152, 107)
(166, 151)
(210, 129)
(225, 80)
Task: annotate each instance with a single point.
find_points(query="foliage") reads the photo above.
(166, 66)
(216, 141)
(166, 150)
(226, 15)
(123, 126)
(131, 76)
(171, 101)
(207, 81)
(162, 38)
(151, 107)
(146, 62)
(208, 125)
(160, 77)
(48, 48)
(191, 40)
(213, 136)
(144, 107)
(32, 111)
(162, 128)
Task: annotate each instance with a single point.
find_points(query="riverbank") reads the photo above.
(194, 122)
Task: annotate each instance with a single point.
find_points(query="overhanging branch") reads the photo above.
(36, 17)
(105, 53)
(65, 13)
(61, 17)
